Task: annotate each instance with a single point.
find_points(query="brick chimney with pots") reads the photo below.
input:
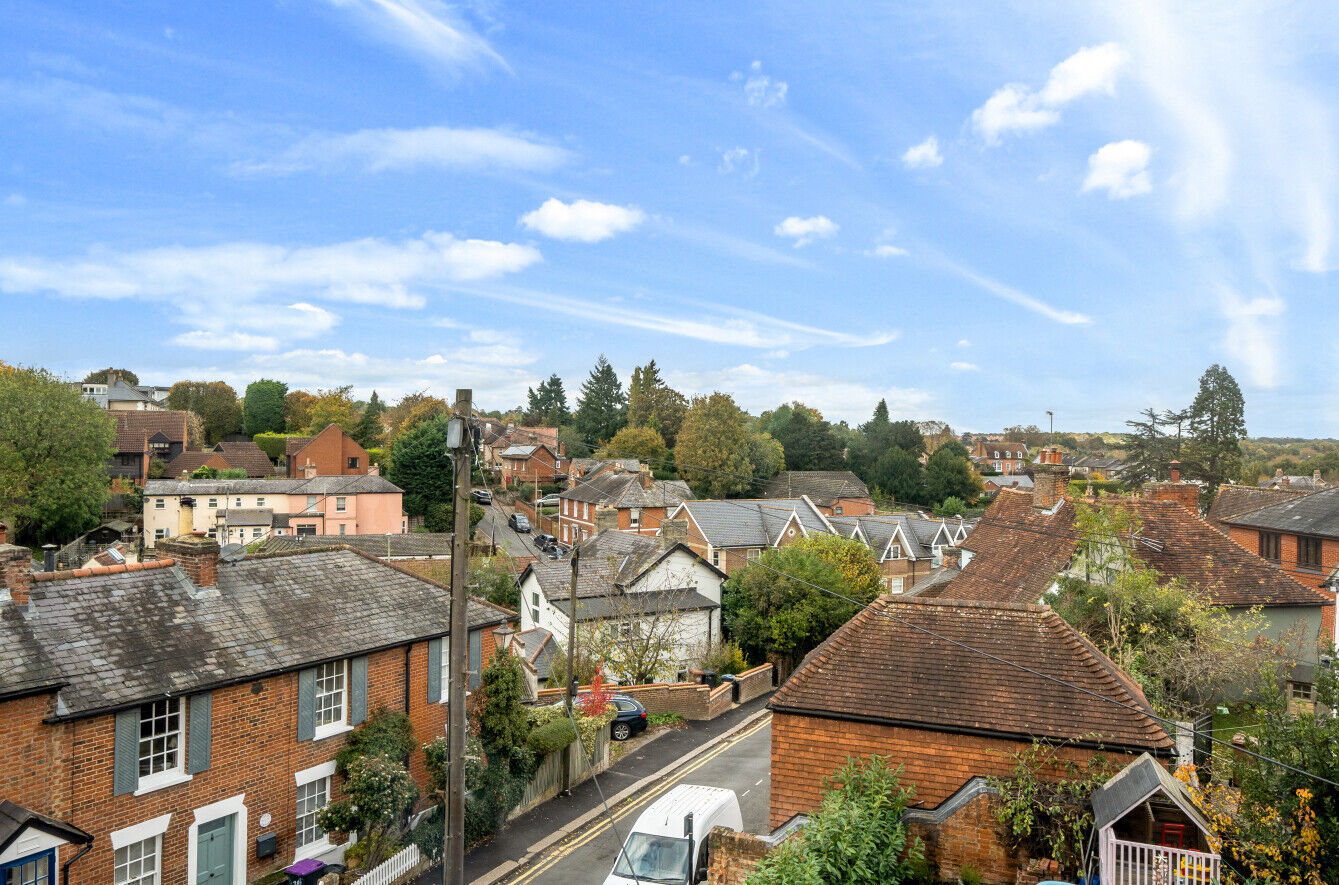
(16, 572)
(606, 519)
(1050, 479)
(1187, 494)
(374, 470)
(197, 555)
(309, 470)
(673, 531)
(645, 476)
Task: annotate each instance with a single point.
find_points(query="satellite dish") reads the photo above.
(233, 552)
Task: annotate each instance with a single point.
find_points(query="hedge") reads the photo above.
(272, 444)
(552, 737)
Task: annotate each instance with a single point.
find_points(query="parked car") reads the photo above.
(549, 500)
(543, 541)
(519, 522)
(668, 844)
(557, 551)
(630, 718)
(481, 496)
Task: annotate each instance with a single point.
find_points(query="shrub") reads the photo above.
(969, 875)
(952, 506)
(429, 835)
(526, 492)
(387, 733)
(552, 737)
(726, 658)
(272, 444)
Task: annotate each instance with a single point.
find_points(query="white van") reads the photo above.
(668, 844)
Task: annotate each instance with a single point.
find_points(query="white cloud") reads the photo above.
(1120, 168)
(959, 366)
(1015, 296)
(16, 200)
(582, 220)
(886, 251)
(924, 155)
(383, 150)
(685, 160)
(1017, 108)
(756, 388)
(427, 29)
(963, 342)
(1252, 334)
(805, 230)
(208, 339)
(761, 90)
(741, 160)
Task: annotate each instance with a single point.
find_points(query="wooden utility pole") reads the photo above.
(453, 857)
(569, 696)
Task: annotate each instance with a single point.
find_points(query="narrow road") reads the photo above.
(743, 764)
(494, 525)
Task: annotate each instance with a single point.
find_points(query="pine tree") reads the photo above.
(369, 432)
(1146, 449)
(652, 403)
(602, 409)
(809, 442)
(547, 406)
(1217, 422)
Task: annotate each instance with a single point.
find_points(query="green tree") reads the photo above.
(949, 474)
(54, 449)
(493, 579)
(602, 409)
(369, 432)
(297, 411)
(571, 442)
(899, 473)
(856, 836)
(101, 376)
(263, 407)
(712, 450)
(378, 790)
(333, 406)
(1217, 423)
(1147, 448)
(642, 443)
(808, 441)
(419, 465)
(547, 405)
(214, 401)
(653, 403)
(767, 457)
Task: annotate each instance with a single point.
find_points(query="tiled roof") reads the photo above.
(189, 462)
(317, 485)
(623, 490)
(132, 428)
(823, 487)
(623, 605)
(1238, 500)
(742, 522)
(247, 456)
(295, 444)
(121, 636)
(1313, 514)
(1306, 483)
(391, 546)
(1019, 552)
(883, 666)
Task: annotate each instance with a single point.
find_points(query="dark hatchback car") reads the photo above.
(543, 541)
(630, 718)
(481, 496)
(518, 522)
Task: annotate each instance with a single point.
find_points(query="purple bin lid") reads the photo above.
(303, 867)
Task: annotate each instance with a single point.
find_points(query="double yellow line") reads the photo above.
(603, 825)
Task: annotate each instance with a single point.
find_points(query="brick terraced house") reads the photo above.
(535, 464)
(641, 501)
(186, 713)
(883, 685)
(999, 456)
(731, 533)
(907, 548)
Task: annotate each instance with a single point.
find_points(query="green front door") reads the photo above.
(214, 852)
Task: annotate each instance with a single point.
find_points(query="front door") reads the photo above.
(214, 851)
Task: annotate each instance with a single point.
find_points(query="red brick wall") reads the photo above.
(755, 682)
(733, 856)
(330, 451)
(850, 507)
(806, 749)
(254, 750)
(971, 836)
(1329, 559)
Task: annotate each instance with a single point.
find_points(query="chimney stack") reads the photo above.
(1176, 471)
(374, 470)
(1187, 494)
(197, 555)
(644, 474)
(673, 531)
(185, 516)
(16, 572)
(606, 519)
(1050, 479)
(309, 470)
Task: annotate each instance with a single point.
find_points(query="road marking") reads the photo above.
(607, 821)
(745, 793)
(759, 783)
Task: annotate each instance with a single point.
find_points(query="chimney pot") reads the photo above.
(606, 519)
(197, 555)
(16, 572)
(1176, 471)
(48, 557)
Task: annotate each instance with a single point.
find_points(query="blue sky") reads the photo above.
(978, 211)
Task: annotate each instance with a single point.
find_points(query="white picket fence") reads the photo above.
(390, 871)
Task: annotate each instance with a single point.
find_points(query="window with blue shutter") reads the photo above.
(476, 655)
(125, 762)
(435, 671)
(307, 704)
(198, 737)
(358, 690)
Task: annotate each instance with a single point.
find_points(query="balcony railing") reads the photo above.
(1138, 863)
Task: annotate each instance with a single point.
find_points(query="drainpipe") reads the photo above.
(65, 867)
(407, 649)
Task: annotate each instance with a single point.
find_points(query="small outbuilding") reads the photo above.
(1150, 830)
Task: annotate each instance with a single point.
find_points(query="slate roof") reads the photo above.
(14, 819)
(25, 667)
(122, 636)
(1313, 514)
(740, 522)
(247, 456)
(521, 452)
(1018, 552)
(592, 466)
(412, 544)
(881, 666)
(878, 529)
(1238, 500)
(317, 485)
(1010, 481)
(937, 578)
(1306, 483)
(622, 490)
(622, 605)
(539, 648)
(133, 428)
(609, 561)
(823, 487)
(235, 516)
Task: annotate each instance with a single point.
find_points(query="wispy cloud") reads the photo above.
(959, 366)
(212, 339)
(1120, 168)
(1013, 295)
(428, 30)
(382, 150)
(1252, 334)
(584, 221)
(924, 155)
(1017, 108)
(805, 230)
(761, 90)
(741, 160)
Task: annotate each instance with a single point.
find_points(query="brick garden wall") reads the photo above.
(755, 682)
(733, 856)
(972, 835)
(691, 700)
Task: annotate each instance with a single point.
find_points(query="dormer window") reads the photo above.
(895, 551)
